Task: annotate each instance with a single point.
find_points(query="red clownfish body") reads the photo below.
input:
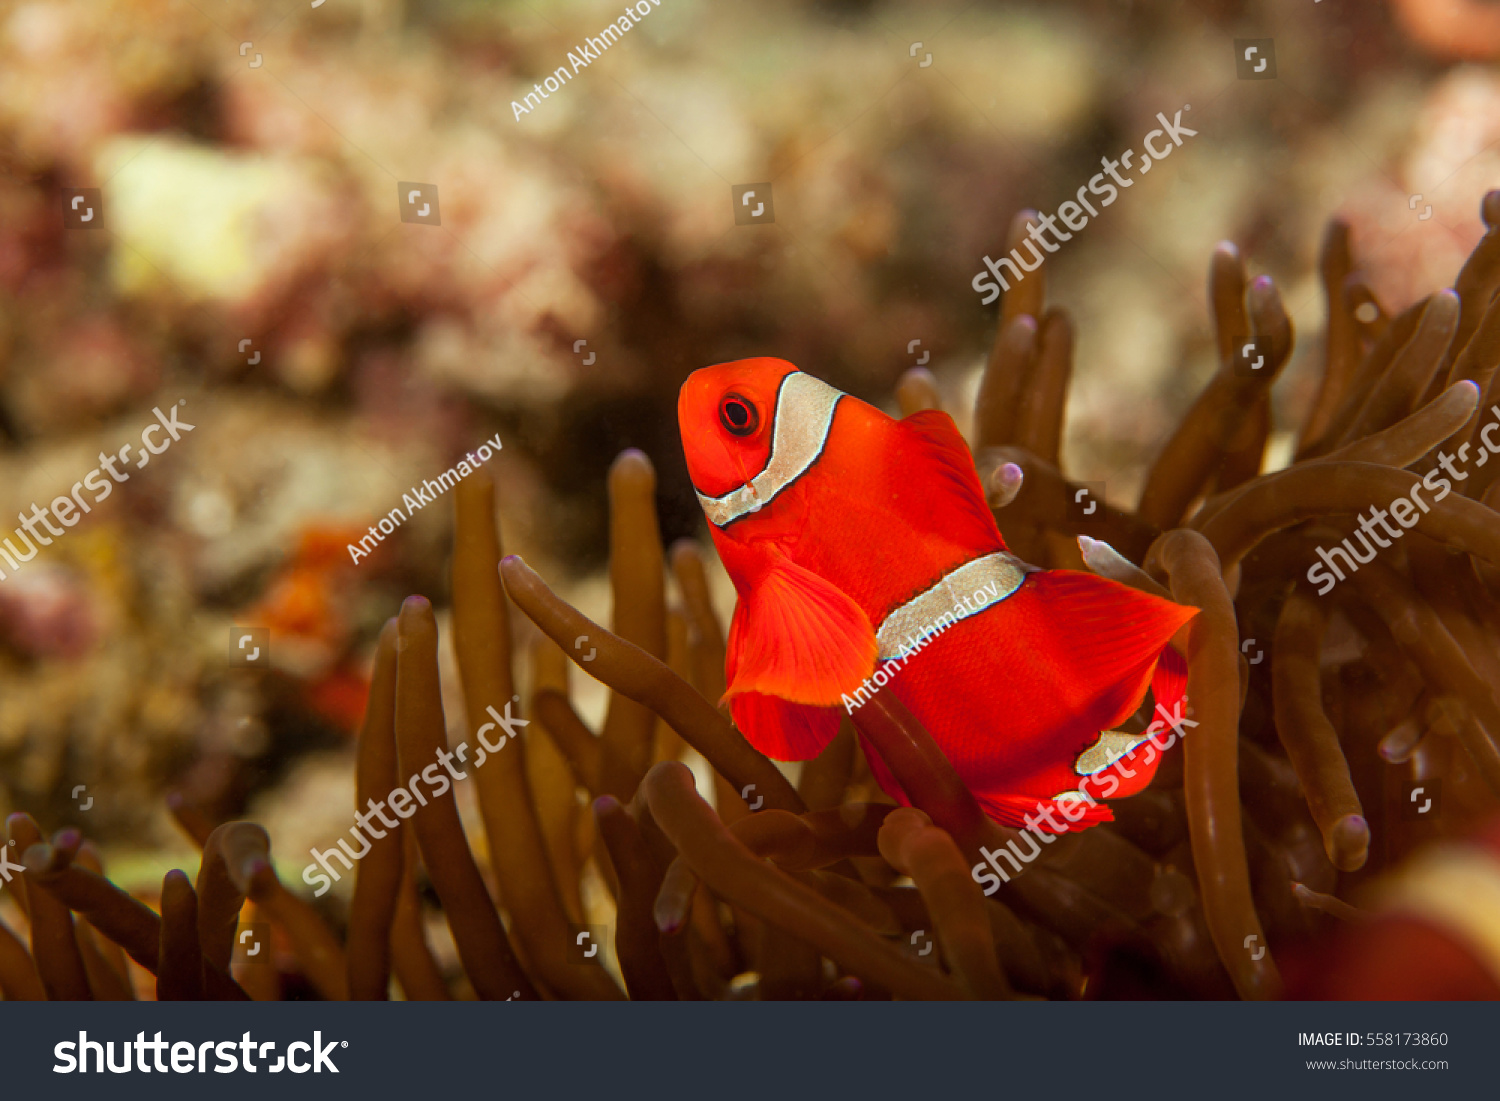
(866, 559)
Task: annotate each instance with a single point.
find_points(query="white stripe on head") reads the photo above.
(803, 418)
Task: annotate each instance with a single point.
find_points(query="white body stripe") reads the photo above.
(1111, 746)
(968, 590)
(804, 415)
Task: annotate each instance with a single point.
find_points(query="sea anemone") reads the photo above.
(1319, 716)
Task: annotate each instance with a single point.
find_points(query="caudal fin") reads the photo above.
(1108, 637)
(1169, 681)
(1132, 772)
(1095, 647)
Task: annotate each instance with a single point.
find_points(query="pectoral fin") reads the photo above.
(797, 637)
(784, 731)
(797, 645)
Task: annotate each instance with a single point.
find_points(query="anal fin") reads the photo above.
(1014, 810)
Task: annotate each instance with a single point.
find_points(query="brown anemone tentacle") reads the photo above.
(1327, 904)
(412, 960)
(1481, 354)
(913, 846)
(1341, 351)
(1478, 280)
(1400, 445)
(19, 981)
(109, 973)
(917, 390)
(1104, 560)
(1246, 454)
(54, 944)
(925, 774)
(1426, 641)
(190, 818)
(1211, 769)
(1482, 479)
(738, 875)
(1029, 296)
(179, 974)
(638, 583)
(421, 735)
(1313, 490)
(218, 899)
(640, 872)
(706, 633)
(631, 671)
(1004, 380)
(1206, 433)
(247, 859)
(553, 781)
(1310, 740)
(1377, 361)
(517, 853)
(825, 778)
(674, 899)
(1412, 370)
(377, 879)
(1043, 403)
(1045, 498)
(127, 921)
(579, 745)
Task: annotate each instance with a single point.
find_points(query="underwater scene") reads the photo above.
(822, 500)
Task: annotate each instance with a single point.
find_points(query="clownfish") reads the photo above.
(865, 558)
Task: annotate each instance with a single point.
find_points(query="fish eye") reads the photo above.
(738, 415)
